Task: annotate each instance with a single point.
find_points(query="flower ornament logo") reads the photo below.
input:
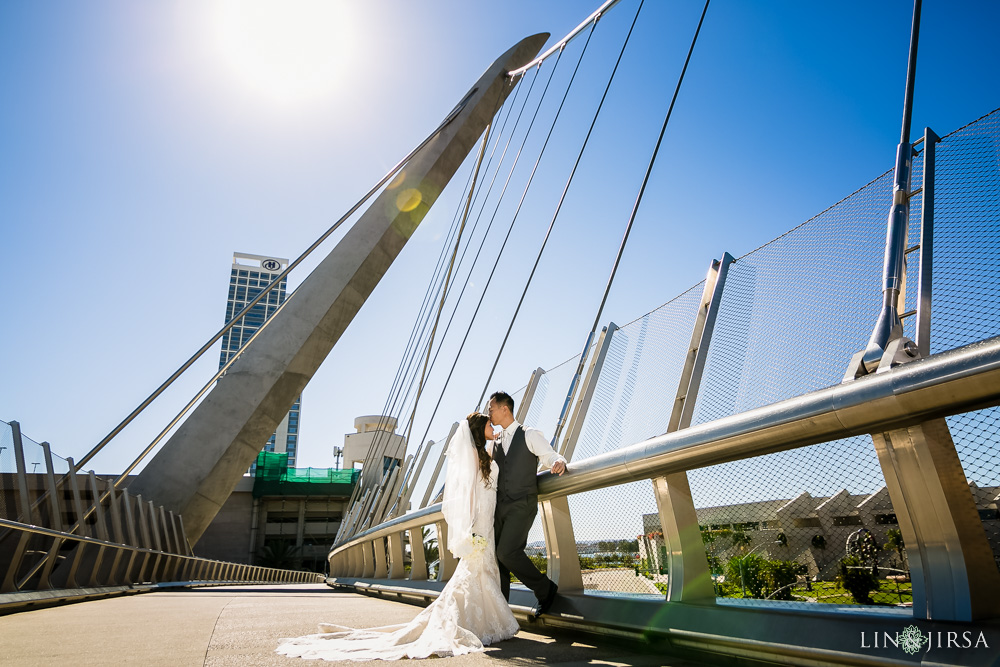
(911, 639)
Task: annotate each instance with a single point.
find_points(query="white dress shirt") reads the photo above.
(536, 442)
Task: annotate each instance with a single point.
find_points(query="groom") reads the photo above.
(518, 456)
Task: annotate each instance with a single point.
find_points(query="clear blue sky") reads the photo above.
(141, 144)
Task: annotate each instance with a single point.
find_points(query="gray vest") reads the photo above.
(518, 474)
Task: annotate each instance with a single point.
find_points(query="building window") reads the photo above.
(848, 520)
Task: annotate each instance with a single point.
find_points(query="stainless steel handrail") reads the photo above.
(49, 532)
(949, 383)
(960, 380)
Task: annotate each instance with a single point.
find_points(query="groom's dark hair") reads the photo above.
(503, 398)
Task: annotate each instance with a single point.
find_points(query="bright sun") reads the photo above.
(290, 51)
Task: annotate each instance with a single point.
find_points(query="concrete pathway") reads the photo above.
(621, 580)
(242, 625)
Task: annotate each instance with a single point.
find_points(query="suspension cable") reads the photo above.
(410, 352)
(447, 282)
(561, 44)
(628, 227)
(509, 176)
(461, 262)
(414, 343)
(530, 178)
(503, 246)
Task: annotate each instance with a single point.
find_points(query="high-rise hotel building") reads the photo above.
(250, 275)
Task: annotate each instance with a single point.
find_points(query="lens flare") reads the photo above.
(408, 199)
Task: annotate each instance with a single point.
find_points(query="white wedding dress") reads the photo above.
(470, 612)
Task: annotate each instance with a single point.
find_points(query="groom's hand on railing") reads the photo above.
(558, 468)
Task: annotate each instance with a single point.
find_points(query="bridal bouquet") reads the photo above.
(478, 545)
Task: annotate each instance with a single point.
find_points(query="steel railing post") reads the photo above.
(381, 569)
(925, 284)
(586, 394)
(418, 563)
(397, 569)
(687, 564)
(446, 562)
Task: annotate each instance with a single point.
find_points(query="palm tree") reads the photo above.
(430, 545)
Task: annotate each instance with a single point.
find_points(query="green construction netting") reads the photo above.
(273, 477)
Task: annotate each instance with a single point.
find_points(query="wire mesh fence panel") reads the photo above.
(793, 313)
(640, 376)
(967, 235)
(34, 465)
(966, 300)
(812, 523)
(550, 396)
(620, 552)
(792, 525)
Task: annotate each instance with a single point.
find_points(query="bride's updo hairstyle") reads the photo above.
(477, 424)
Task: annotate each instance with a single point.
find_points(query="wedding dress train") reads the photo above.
(470, 612)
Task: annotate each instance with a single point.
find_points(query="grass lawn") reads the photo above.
(829, 592)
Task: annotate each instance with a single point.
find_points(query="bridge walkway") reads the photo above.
(242, 625)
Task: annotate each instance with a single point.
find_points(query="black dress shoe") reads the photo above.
(546, 604)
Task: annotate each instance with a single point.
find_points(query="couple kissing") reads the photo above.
(489, 504)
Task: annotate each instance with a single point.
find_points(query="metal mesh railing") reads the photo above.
(639, 378)
(803, 524)
(794, 311)
(966, 305)
(34, 466)
(792, 315)
(640, 374)
(799, 524)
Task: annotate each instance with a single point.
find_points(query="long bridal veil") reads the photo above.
(460, 501)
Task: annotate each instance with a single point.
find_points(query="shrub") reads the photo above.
(760, 577)
(542, 563)
(857, 579)
(747, 573)
(740, 539)
(779, 576)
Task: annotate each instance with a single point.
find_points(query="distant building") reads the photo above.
(374, 432)
(283, 516)
(250, 275)
(813, 531)
(280, 517)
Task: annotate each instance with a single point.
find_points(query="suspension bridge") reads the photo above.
(793, 461)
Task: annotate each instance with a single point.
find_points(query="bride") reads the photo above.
(470, 612)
